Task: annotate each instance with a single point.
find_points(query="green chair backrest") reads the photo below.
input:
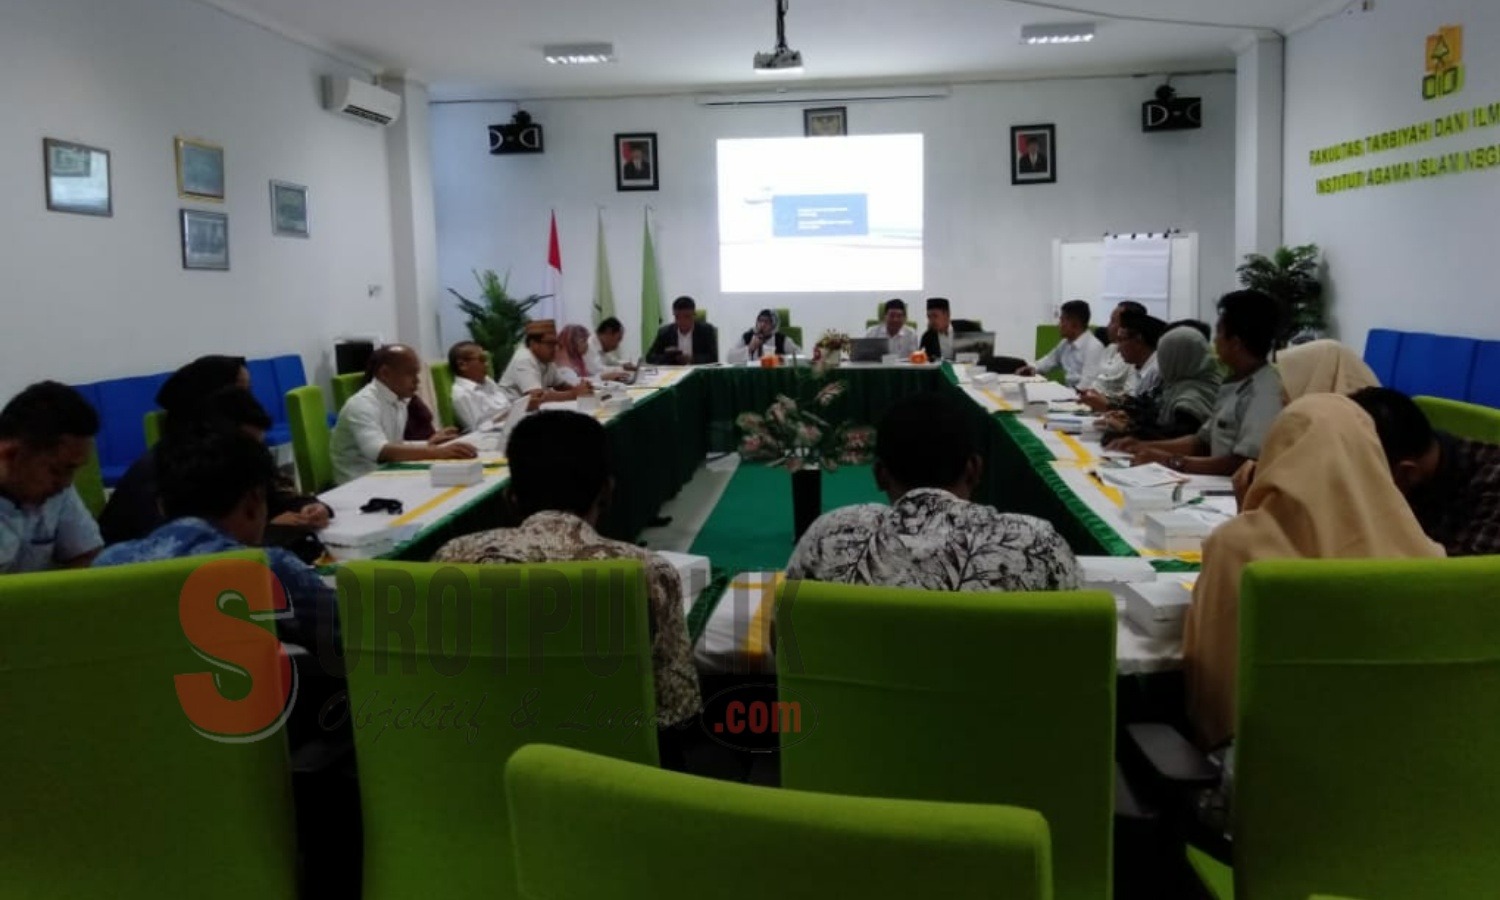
(151, 422)
(962, 697)
(109, 789)
(1369, 727)
(88, 481)
(1047, 337)
(346, 386)
(1467, 420)
(700, 314)
(442, 392)
(784, 314)
(740, 842)
(307, 417)
(795, 333)
(516, 654)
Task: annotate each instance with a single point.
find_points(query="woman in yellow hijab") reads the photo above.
(1323, 490)
(1322, 367)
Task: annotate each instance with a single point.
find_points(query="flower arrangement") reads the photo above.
(798, 434)
(834, 340)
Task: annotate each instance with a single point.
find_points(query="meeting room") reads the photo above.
(728, 450)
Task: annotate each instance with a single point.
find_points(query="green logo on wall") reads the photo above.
(1444, 63)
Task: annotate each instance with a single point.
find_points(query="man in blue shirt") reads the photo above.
(46, 435)
(213, 486)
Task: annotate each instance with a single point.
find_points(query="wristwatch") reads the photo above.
(1176, 463)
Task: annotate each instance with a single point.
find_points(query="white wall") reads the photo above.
(1417, 255)
(89, 298)
(988, 244)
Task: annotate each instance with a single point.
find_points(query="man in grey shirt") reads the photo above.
(1248, 402)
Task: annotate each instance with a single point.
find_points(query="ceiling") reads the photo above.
(491, 49)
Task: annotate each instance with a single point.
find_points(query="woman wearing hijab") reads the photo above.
(764, 338)
(1189, 388)
(572, 350)
(1322, 367)
(1322, 490)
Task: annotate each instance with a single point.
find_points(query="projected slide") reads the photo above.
(820, 214)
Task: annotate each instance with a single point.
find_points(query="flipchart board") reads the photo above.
(1078, 274)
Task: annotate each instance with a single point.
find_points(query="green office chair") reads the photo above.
(1369, 726)
(109, 789)
(88, 481)
(442, 392)
(1467, 420)
(1047, 337)
(961, 697)
(346, 386)
(151, 422)
(308, 419)
(591, 828)
(795, 333)
(517, 653)
(700, 314)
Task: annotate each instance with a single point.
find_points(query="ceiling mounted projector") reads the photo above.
(783, 60)
(1068, 33)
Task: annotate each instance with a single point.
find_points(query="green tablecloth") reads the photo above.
(657, 447)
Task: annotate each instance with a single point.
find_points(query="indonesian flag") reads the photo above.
(552, 307)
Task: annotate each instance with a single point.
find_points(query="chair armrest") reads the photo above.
(1172, 756)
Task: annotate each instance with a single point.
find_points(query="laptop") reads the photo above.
(868, 349)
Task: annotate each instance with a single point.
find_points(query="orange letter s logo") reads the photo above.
(218, 703)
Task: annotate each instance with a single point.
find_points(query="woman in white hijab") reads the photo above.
(1323, 490)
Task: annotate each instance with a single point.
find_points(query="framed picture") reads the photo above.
(636, 162)
(205, 240)
(77, 178)
(200, 170)
(827, 121)
(288, 209)
(1033, 154)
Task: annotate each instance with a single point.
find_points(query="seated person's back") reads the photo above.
(932, 537)
(46, 435)
(561, 482)
(214, 485)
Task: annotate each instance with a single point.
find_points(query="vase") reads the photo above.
(807, 500)
(832, 358)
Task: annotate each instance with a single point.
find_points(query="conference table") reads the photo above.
(677, 416)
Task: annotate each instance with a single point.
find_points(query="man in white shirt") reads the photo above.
(1136, 337)
(1079, 354)
(46, 435)
(477, 399)
(903, 337)
(603, 355)
(372, 422)
(532, 372)
(1118, 378)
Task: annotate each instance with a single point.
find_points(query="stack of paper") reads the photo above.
(1046, 392)
(1152, 475)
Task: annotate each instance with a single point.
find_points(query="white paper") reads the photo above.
(1047, 391)
(1147, 476)
(1140, 269)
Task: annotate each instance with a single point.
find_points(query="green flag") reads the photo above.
(604, 292)
(650, 293)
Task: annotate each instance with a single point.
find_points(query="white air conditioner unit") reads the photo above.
(360, 100)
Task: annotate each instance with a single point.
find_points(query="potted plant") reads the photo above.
(798, 434)
(1290, 277)
(497, 320)
(830, 349)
